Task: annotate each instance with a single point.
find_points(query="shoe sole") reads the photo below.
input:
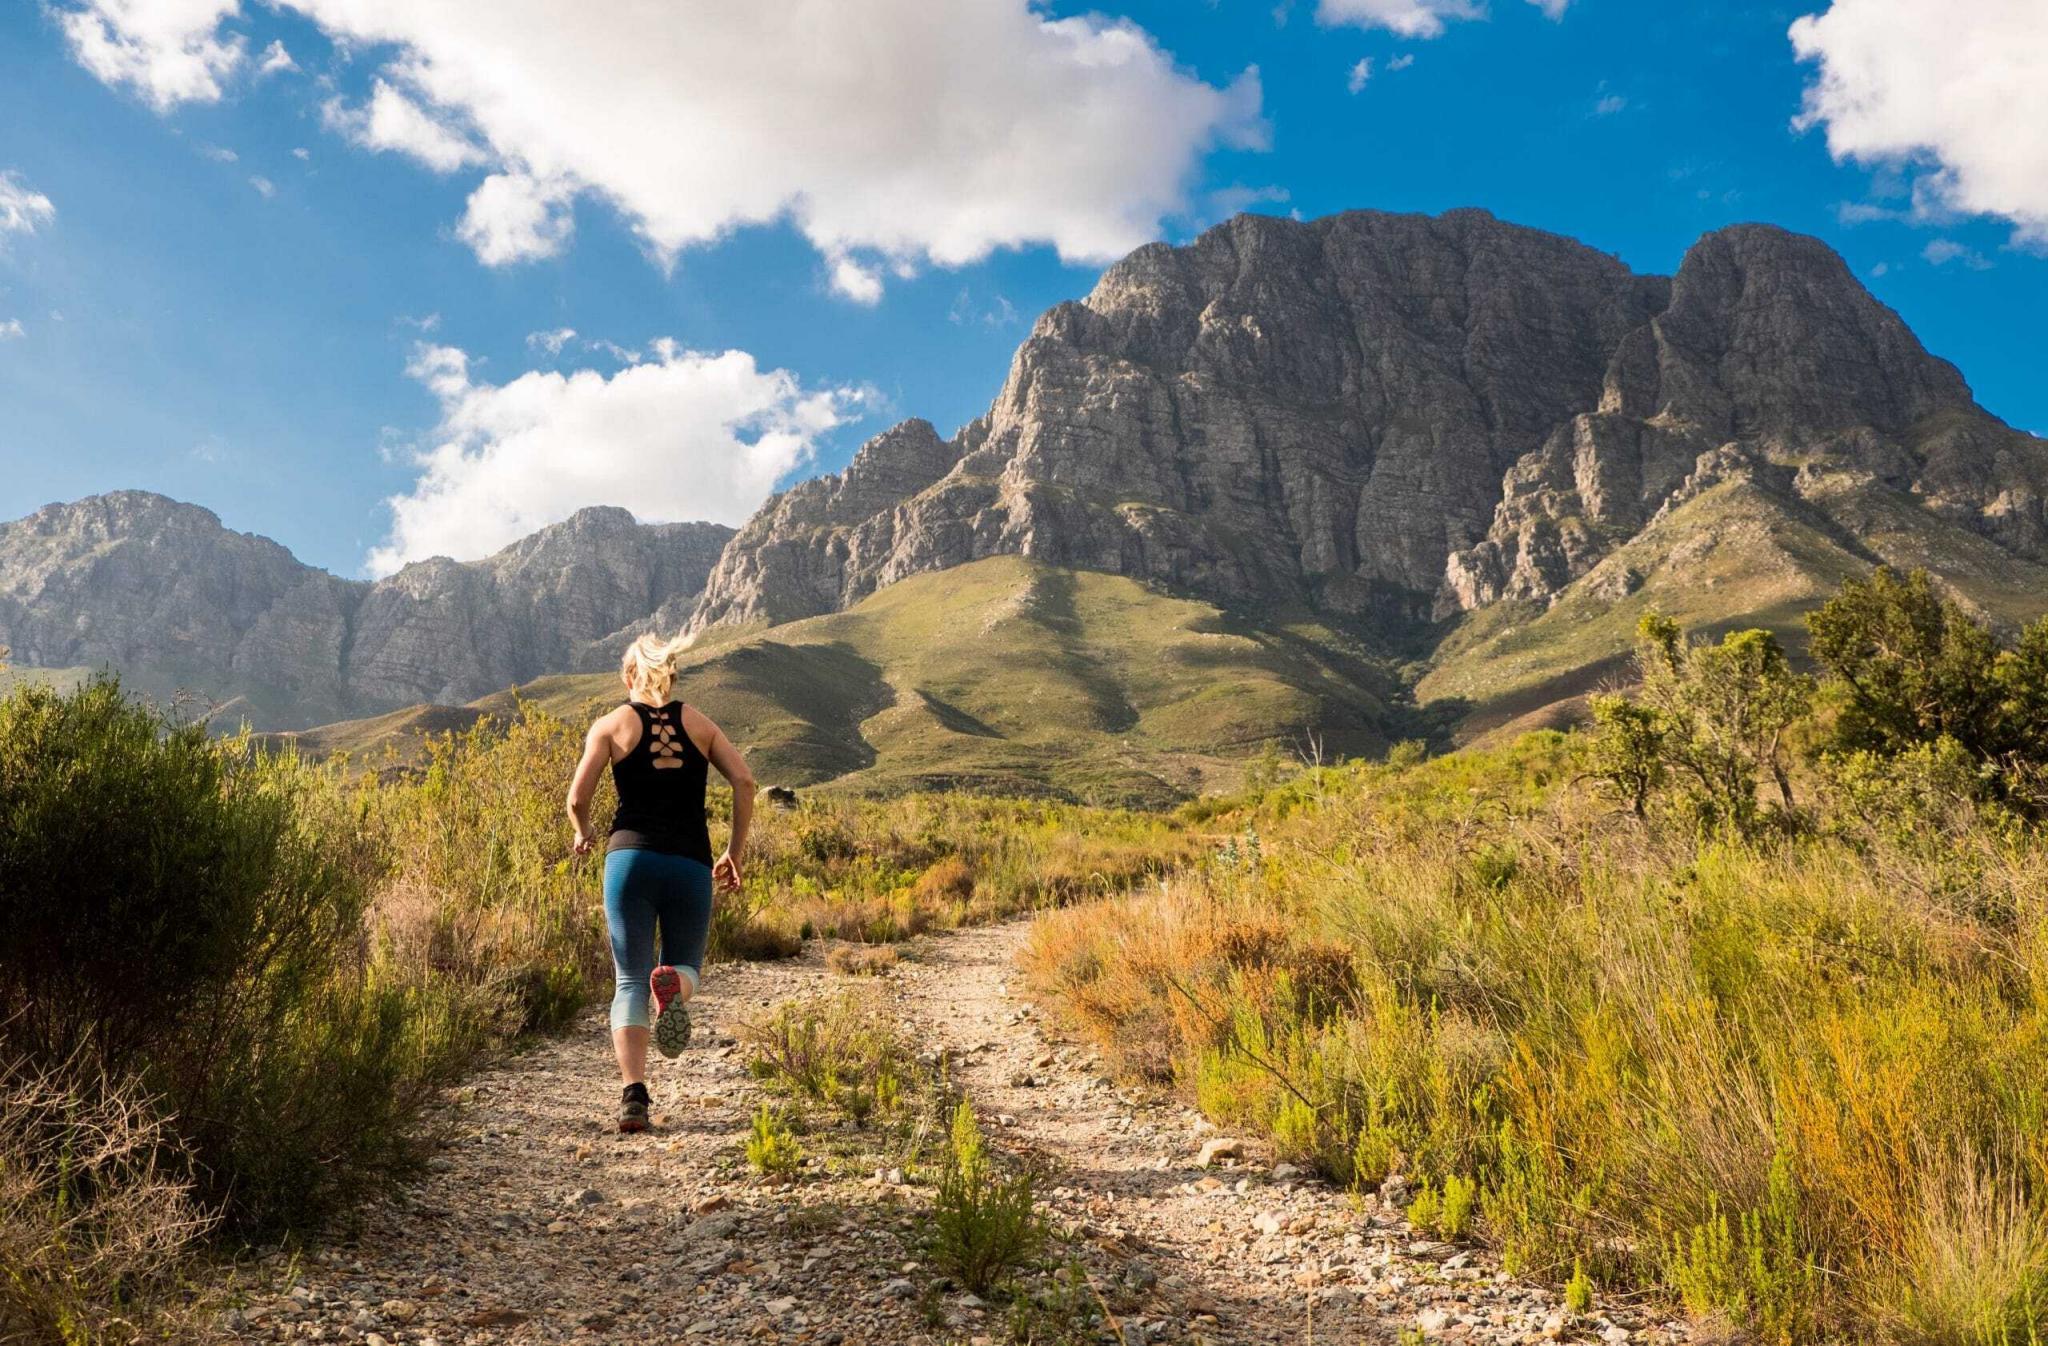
(672, 1031)
(632, 1125)
(671, 1025)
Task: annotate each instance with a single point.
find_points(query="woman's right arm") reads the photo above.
(597, 754)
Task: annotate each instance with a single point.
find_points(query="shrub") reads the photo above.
(484, 890)
(191, 914)
(984, 1226)
(834, 1050)
(1713, 717)
(862, 960)
(773, 1148)
(1460, 1196)
(1914, 669)
(740, 932)
(96, 1212)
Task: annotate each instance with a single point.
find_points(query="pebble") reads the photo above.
(1222, 1147)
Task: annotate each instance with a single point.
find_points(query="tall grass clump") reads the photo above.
(190, 916)
(484, 890)
(1781, 1058)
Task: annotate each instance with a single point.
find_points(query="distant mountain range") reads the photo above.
(160, 591)
(1472, 447)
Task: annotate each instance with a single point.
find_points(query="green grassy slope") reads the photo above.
(26, 675)
(1735, 556)
(1001, 675)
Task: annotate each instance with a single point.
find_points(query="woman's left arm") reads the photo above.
(734, 768)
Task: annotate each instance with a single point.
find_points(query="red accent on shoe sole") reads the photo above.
(667, 984)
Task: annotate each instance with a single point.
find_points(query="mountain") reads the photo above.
(162, 592)
(1003, 674)
(1483, 438)
(1476, 448)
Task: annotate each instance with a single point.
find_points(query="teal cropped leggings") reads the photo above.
(643, 891)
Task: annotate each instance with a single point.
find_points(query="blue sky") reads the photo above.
(225, 290)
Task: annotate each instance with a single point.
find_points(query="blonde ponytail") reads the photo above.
(649, 667)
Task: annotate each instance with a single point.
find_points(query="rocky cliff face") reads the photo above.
(161, 591)
(1392, 412)
(1388, 414)
(1770, 362)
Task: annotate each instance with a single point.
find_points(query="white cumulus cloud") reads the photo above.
(12, 330)
(1958, 92)
(515, 218)
(688, 435)
(169, 51)
(1361, 74)
(275, 60)
(894, 134)
(1414, 18)
(22, 209)
(391, 121)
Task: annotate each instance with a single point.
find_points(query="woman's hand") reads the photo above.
(584, 841)
(726, 873)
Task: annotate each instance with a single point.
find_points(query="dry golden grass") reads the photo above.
(1800, 1084)
(97, 1217)
(863, 960)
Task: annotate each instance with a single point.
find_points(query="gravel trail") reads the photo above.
(538, 1223)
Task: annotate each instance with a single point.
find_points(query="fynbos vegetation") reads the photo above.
(1743, 1000)
(235, 982)
(1739, 998)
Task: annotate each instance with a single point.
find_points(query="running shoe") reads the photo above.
(671, 1020)
(633, 1108)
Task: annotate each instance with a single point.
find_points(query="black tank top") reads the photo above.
(661, 789)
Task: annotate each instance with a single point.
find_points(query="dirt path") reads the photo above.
(540, 1223)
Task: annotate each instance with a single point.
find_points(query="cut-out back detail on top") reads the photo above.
(663, 735)
(661, 789)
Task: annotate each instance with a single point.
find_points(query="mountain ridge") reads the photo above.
(1483, 448)
(164, 592)
(1372, 409)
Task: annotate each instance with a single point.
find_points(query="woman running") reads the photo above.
(658, 870)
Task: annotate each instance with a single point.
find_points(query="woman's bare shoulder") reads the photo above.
(698, 726)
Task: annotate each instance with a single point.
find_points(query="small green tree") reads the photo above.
(1915, 670)
(983, 1224)
(1914, 665)
(1628, 750)
(1711, 716)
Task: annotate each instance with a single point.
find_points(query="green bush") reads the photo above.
(1709, 720)
(1578, 1291)
(984, 1227)
(189, 914)
(831, 1049)
(1915, 670)
(773, 1148)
